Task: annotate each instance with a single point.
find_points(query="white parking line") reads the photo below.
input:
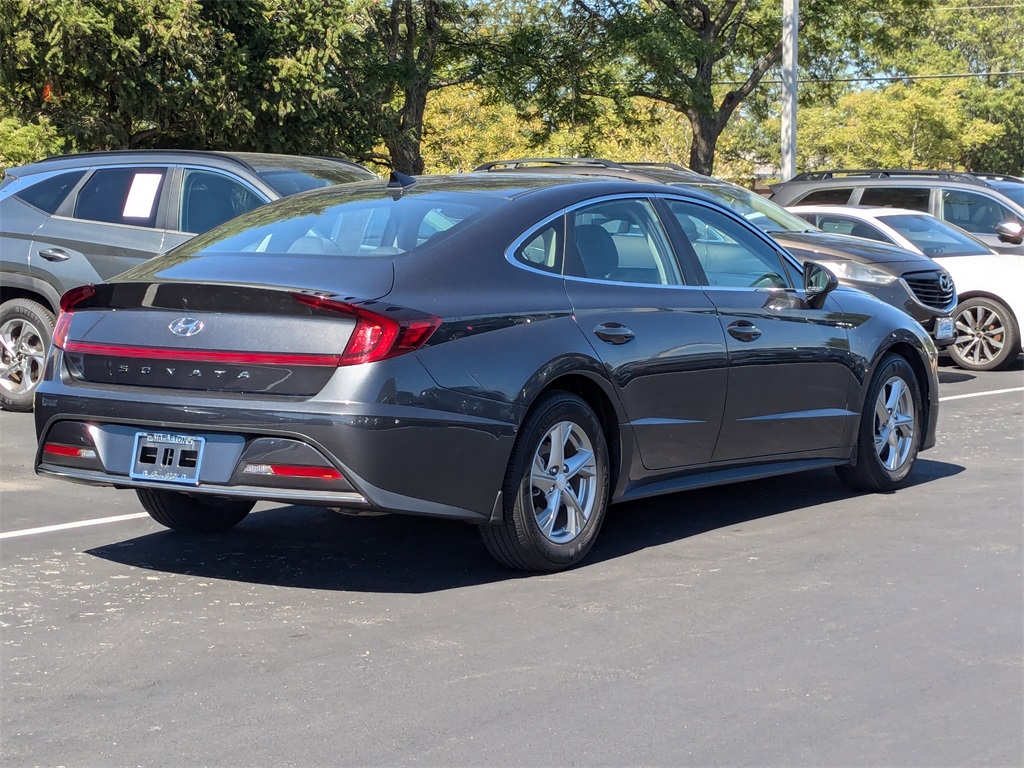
(66, 526)
(982, 394)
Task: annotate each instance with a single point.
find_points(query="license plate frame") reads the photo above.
(943, 328)
(167, 457)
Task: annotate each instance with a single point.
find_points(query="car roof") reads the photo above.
(248, 161)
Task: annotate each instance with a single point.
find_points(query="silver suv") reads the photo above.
(989, 206)
(78, 219)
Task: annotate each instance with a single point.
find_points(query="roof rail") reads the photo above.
(588, 161)
(879, 173)
(336, 159)
(669, 166)
(999, 177)
(120, 152)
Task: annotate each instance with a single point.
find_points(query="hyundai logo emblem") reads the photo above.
(186, 326)
(945, 283)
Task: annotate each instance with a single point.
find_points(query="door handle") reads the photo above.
(614, 333)
(55, 254)
(742, 330)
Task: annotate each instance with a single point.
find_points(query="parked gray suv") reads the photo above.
(78, 219)
(989, 206)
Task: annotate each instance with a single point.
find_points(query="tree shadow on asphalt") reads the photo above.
(312, 548)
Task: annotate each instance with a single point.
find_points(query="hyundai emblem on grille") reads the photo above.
(186, 326)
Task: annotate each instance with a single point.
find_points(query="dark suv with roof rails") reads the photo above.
(907, 280)
(989, 206)
(77, 219)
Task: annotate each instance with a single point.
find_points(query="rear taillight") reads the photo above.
(68, 302)
(376, 336)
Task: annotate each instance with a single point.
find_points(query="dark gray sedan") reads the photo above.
(514, 351)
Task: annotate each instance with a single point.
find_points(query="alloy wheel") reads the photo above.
(563, 481)
(22, 356)
(894, 423)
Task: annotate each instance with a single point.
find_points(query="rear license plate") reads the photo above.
(944, 328)
(167, 457)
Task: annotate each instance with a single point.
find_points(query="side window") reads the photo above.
(844, 225)
(121, 196)
(543, 249)
(47, 195)
(209, 199)
(973, 212)
(914, 198)
(620, 241)
(840, 196)
(730, 254)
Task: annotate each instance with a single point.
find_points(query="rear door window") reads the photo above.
(121, 196)
(914, 198)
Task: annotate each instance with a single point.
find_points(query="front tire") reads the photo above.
(987, 336)
(26, 329)
(556, 488)
(192, 514)
(889, 435)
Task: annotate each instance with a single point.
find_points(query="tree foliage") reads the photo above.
(702, 58)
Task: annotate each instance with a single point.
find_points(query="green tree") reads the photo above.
(702, 58)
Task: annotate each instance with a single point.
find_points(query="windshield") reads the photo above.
(291, 174)
(762, 213)
(934, 237)
(1013, 190)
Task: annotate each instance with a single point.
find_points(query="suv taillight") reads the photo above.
(376, 336)
(68, 302)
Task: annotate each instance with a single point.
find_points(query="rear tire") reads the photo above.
(555, 490)
(987, 336)
(889, 435)
(26, 330)
(191, 514)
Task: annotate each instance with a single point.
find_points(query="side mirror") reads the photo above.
(819, 282)
(1010, 232)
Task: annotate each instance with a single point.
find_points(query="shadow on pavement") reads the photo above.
(312, 548)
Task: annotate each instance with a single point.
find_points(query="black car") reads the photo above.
(78, 219)
(914, 283)
(509, 350)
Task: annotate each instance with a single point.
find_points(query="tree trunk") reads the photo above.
(706, 131)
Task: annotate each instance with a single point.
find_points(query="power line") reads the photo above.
(884, 79)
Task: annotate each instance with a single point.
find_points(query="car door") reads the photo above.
(979, 214)
(790, 376)
(652, 327)
(111, 223)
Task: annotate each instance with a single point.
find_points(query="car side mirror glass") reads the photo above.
(818, 283)
(1010, 232)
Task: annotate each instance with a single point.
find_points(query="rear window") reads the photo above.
(368, 223)
(291, 175)
(48, 194)
(839, 196)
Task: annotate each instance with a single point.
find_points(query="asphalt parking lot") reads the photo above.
(778, 622)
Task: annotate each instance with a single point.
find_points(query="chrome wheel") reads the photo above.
(563, 482)
(22, 356)
(894, 423)
(980, 335)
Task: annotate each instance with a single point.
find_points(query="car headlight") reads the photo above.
(854, 272)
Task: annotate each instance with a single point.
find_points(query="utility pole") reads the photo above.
(790, 22)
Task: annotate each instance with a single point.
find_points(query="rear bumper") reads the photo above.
(406, 458)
